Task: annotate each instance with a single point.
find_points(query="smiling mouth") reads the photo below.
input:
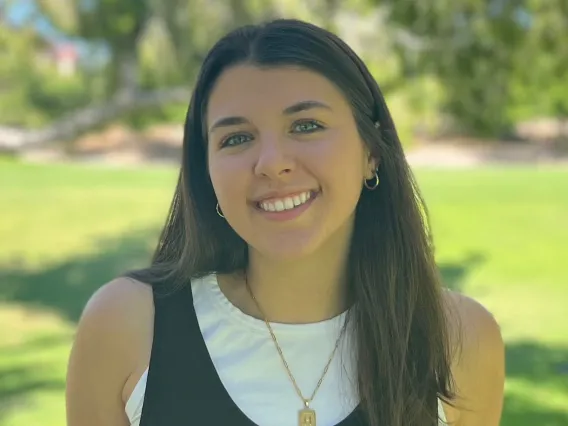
(286, 203)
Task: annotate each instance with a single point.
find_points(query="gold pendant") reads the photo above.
(307, 417)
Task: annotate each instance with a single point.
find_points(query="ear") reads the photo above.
(371, 167)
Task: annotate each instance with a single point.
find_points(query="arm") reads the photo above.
(479, 365)
(114, 333)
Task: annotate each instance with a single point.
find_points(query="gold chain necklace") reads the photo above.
(307, 415)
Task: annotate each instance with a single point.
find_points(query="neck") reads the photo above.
(306, 290)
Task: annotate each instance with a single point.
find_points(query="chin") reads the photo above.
(287, 247)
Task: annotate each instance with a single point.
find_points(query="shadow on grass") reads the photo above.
(538, 366)
(524, 412)
(65, 288)
(16, 383)
(537, 363)
(19, 381)
(454, 274)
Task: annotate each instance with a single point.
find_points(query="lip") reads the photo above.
(287, 215)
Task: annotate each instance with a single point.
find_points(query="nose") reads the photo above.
(274, 160)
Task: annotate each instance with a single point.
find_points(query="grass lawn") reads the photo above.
(501, 236)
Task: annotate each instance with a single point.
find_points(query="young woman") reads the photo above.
(294, 281)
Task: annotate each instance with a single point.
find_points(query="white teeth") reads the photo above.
(287, 203)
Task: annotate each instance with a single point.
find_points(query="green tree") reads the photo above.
(539, 86)
(116, 23)
(127, 30)
(470, 46)
(498, 60)
(16, 74)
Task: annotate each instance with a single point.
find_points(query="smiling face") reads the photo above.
(285, 158)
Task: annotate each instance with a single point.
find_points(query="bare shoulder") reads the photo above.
(471, 323)
(112, 346)
(120, 316)
(478, 365)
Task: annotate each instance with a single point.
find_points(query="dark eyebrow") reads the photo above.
(292, 109)
(228, 121)
(305, 105)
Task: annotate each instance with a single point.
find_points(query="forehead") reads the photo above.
(246, 89)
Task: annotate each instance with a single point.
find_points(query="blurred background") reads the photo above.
(92, 100)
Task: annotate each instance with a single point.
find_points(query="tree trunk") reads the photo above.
(126, 70)
(74, 125)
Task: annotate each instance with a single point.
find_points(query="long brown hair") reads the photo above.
(398, 315)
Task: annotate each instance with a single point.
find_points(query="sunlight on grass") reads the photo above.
(48, 216)
(66, 229)
(514, 219)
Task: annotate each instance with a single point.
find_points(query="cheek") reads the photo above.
(343, 164)
(344, 180)
(228, 178)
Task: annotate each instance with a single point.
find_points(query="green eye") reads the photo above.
(309, 126)
(235, 140)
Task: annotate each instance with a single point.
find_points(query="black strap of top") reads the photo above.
(181, 388)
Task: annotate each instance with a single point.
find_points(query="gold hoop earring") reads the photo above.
(375, 182)
(218, 210)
